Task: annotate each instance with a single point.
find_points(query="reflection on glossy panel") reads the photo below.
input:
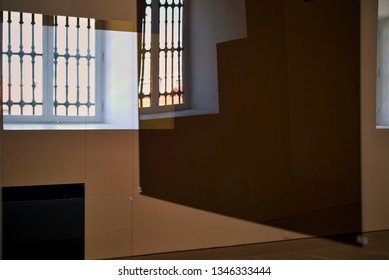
(284, 148)
(165, 68)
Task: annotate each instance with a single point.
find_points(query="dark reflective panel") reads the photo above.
(271, 128)
(44, 222)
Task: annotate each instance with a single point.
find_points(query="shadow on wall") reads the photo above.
(284, 149)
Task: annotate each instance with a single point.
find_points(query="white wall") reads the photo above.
(201, 61)
(210, 22)
(230, 20)
(375, 147)
(383, 8)
(120, 75)
(383, 77)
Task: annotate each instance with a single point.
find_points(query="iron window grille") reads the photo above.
(161, 82)
(48, 68)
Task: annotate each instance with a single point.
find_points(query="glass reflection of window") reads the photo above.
(64, 55)
(161, 69)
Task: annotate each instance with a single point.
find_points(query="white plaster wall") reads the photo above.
(121, 79)
(210, 22)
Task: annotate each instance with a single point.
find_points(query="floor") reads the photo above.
(377, 248)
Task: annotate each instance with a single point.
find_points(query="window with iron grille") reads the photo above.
(161, 84)
(49, 66)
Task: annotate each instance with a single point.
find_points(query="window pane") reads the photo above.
(74, 66)
(61, 110)
(169, 72)
(38, 80)
(176, 85)
(38, 40)
(15, 79)
(162, 72)
(27, 79)
(83, 110)
(91, 83)
(146, 102)
(22, 63)
(92, 111)
(170, 68)
(147, 75)
(83, 81)
(83, 42)
(164, 59)
(72, 80)
(72, 35)
(168, 29)
(60, 80)
(16, 110)
(13, 20)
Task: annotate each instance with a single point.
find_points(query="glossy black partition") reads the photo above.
(284, 147)
(43, 222)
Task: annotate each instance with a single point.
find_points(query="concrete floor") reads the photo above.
(377, 248)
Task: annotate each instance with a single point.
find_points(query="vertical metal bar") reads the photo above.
(143, 52)
(55, 64)
(33, 62)
(67, 66)
(153, 64)
(179, 50)
(88, 65)
(78, 65)
(21, 55)
(9, 53)
(142, 63)
(172, 54)
(166, 31)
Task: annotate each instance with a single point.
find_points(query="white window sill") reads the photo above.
(382, 127)
(61, 126)
(176, 114)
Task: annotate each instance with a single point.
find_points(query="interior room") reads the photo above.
(220, 129)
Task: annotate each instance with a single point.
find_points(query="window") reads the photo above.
(382, 111)
(161, 84)
(178, 73)
(49, 66)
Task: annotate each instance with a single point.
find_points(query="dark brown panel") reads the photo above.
(284, 149)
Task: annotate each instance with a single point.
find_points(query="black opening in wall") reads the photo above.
(44, 222)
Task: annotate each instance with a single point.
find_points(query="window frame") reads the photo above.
(382, 95)
(155, 108)
(48, 76)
